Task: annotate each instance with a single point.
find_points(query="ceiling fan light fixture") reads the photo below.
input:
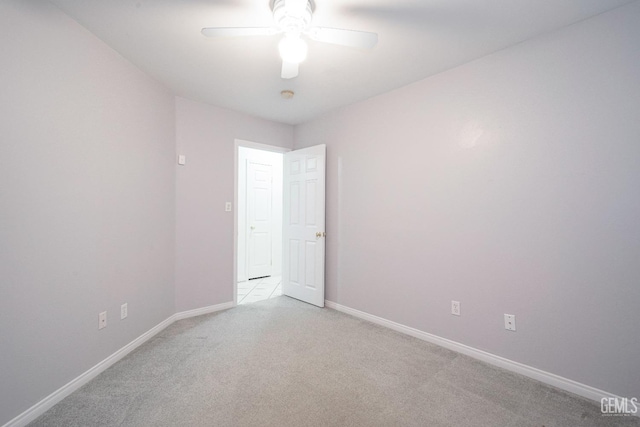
(292, 49)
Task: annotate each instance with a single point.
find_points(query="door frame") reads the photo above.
(257, 146)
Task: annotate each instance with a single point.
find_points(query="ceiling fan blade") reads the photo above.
(289, 70)
(351, 38)
(238, 31)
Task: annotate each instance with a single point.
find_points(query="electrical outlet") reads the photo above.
(123, 311)
(510, 322)
(455, 308)
(227, 207)
(102, 320)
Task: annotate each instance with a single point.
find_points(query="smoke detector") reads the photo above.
(287, 94)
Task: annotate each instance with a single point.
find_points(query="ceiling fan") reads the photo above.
(293, 19)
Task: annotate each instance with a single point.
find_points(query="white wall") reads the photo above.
(204, 258)
(87, 183)
(274, 159)
(511, 184)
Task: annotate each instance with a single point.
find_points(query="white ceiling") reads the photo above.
(417, 38)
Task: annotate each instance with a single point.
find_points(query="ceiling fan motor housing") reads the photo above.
(291, 17)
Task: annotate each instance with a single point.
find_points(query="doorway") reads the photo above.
(296, 234)
(259, 222)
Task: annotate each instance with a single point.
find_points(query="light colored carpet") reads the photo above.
(281, 362)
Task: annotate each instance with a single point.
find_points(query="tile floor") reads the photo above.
(259, 289)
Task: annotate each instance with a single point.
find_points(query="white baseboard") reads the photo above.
(528, 371)
(48, 402)
(203, 310)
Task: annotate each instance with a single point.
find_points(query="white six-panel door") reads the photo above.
(303, 247)
(259, 188)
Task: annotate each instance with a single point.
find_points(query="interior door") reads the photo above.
(303, 247)
(259, 188)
